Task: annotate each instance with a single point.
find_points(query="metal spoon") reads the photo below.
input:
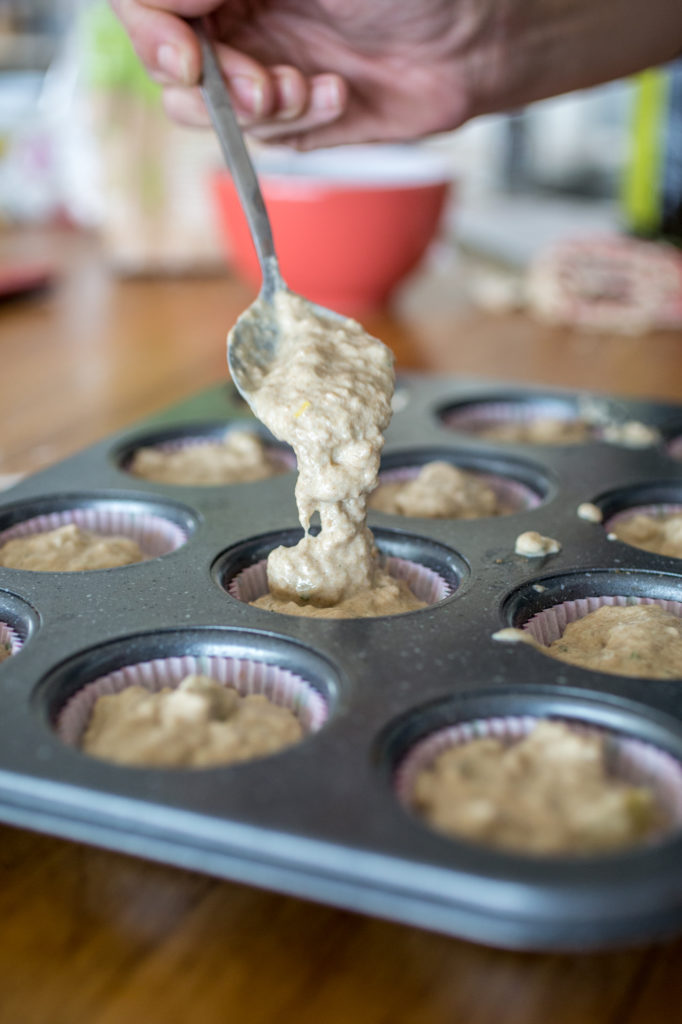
(252, 343)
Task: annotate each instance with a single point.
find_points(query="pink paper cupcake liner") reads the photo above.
(476, 417)
(283, 456)
(155, 536)
(426, 584)
(548, 625)
(628, 759)
(512, 494)
(657, 511)
(11, 637)
(675, 447)
(280, 685)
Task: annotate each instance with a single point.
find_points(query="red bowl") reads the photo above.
(348, 224)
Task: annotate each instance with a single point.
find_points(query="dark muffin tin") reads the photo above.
(321, 820)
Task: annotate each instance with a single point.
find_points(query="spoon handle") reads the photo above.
(216, 97)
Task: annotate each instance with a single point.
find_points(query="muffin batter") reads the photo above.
(69, 549)
(638, 640)
(548, 793)
(198, 724)
(328, 394)
(532, 544)
(439, 491)
(543, 430)
(239, 457)
(661, 535)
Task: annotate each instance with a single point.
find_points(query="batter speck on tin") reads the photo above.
(548, 793)
(328, 394)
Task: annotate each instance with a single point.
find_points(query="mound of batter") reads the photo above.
(238, 457)
(69, 549)
(197, 724)
(548, 793)
(439, 491)
(638, 640)
(543, 430)
(661, 535)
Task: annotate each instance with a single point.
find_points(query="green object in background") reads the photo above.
(110, 62)
(652, 188)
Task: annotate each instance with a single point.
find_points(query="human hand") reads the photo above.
(322, 72)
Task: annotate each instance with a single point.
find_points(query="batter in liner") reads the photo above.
(439, 491)
(661, 535)
(69, 549)
(199, 723)
(238, 457)
(548, 793)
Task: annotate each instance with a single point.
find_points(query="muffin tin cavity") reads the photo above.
(547, 604)
(432, 571)
(18, 621)
(637, 750)
(289, 674)
(657, 501)
(476, 417)
(176, 438)
(158, 527)
(518, 485)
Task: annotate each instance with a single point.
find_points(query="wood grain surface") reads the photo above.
(91, 937)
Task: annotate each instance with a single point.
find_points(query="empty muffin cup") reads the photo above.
(248, 677)
(627, 760)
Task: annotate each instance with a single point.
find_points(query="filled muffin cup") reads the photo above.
(282, 686)
(282, 457)
(548, 625)
(512, 495)
(10, 641)
(660, 510)
(628, 760)
(478, 417)
(154, 535)
(426, 584)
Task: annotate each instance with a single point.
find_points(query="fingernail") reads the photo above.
(288, 95)
(173, 61)
(250, 93)
(326, 95)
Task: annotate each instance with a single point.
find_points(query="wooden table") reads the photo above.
(89, 937)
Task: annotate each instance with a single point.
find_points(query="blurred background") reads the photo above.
(84, 143)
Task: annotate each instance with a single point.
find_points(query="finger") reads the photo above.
(327, 99)
(186, 105)
(166, 45)
(292, 92)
